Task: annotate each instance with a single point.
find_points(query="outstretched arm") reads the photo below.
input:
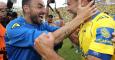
(45, 42)
(71, 26)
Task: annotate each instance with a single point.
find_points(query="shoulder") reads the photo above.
(15, 23)
(102, 17)
(103, 20)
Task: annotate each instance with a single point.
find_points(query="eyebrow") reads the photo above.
(41, 4)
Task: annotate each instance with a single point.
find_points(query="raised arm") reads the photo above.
(44, 45)
(71, 26)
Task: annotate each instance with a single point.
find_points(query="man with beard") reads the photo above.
(3, 7)
(28, 38)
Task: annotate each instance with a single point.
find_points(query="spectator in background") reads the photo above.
(12, 15)
(55, 21)
(50, 20)
(2, 30)
(58, 22)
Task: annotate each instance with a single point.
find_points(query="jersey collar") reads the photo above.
(97, 12)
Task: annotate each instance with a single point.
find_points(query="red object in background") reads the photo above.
(2, 41)
(2, 34)
(1, 56)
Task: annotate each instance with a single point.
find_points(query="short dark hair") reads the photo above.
(25, 2)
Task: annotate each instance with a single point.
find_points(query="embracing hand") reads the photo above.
(86, 11)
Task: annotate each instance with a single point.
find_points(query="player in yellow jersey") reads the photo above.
(95, 35)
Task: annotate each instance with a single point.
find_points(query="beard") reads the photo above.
(35, 19)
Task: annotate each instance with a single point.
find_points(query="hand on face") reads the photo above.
(86, 11)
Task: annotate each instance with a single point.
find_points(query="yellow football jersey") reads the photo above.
(96, 35)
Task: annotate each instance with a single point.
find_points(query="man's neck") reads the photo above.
(28, 20)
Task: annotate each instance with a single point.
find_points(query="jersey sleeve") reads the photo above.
(101, 56)
(22, 36)
(102, 42)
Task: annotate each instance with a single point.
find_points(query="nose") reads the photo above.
(44, 10)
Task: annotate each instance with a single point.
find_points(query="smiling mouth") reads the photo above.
(41, 16)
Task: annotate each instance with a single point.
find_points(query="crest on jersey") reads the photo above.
(105, 33)
(15, 25)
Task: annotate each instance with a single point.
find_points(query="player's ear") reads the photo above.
(26, 8)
